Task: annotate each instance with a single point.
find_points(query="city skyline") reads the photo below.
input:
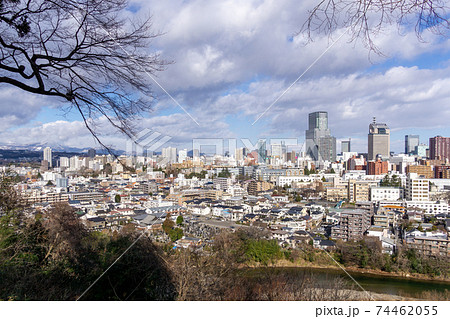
(217, 79)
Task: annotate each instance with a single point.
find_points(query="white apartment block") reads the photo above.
(417, 189)
(289, 180)
(386, 193)
(430, 207)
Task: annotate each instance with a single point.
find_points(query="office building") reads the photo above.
(440, 148)
(320, 145)
(411, 141)
(345, 146)
(262, 151)
(421, 150)
(48, 156)
(378, 141)
(278, 151)
(170, 154)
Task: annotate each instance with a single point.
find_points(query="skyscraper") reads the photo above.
(345, 146)
(378, 141)
(48, 156)
(411, 141)
(320, 145)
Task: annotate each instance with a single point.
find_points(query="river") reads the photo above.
(399, 286)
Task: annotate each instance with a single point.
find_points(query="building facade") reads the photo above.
(378, 141)
(320, 145)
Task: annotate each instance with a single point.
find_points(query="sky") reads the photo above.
(233, 59)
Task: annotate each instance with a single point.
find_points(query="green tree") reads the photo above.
(224, 173)
(117, 198)
(168, 224)
(180, 220)
(175, 234)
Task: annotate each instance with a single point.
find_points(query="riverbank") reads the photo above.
(356, 270)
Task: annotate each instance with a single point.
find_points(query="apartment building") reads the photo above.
(417, 188)
(353, 223)
(379, 193)
(359, 191)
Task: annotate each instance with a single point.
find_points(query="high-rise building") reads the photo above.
(345, 146)
(278, 151)
(239, 153)
(411, 141)
(262, 151)
(378, 141)
(440, 148)
(64, 162)
(291, 156)
(320, 145)
(170, 154)
(48, 156)
(421, 150)
(182, 156)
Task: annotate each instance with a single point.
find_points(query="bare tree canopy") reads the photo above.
(367, 18)
(82, 51)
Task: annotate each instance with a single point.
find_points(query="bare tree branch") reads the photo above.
(366, 18)
(83, 52)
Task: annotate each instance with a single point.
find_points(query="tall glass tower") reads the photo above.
(320, 145)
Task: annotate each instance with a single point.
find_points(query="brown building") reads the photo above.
(440, 148)
(377, 167)
(254, 187)
(421, 170)
(430, 246)
(441, 171)
(353, 223)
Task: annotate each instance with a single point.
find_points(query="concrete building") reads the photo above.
(421, 170)
(170, 154)
(353, 223)
(378, 141)
(64, 162)
(417, 188)
(378, 193)
(320, 145)
(48, 156)
(182, 156)
(359, 191)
